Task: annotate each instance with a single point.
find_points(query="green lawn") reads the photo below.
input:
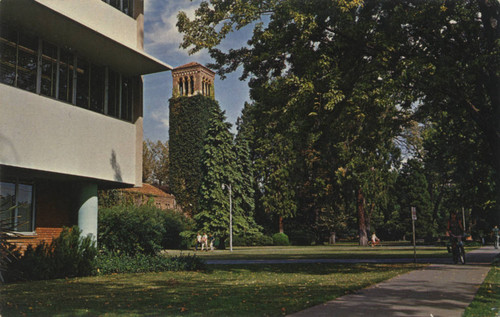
(340, 251)
(224, 290)
(487, 300)
(240, 290)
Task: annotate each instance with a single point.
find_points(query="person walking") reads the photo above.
(211, 242)
(496, 236)
(204, 242)
(198, 242)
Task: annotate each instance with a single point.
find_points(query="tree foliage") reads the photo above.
(336, 85)
(223, 165)
(155, 162)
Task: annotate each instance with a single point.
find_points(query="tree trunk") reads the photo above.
(281, 224)
(363, 237)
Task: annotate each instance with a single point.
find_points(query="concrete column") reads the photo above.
(87, 210)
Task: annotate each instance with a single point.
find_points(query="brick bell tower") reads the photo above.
(193, 79)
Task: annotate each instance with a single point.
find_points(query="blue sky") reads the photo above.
(162, 41)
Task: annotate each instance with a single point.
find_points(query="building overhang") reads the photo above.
(34, 17)
(10, 173)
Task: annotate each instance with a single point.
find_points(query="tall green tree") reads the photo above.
(220, 167)
(244, 185)
(412, 189)
(458, 42)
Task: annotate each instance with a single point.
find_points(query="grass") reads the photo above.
(242, 290)
(338, 251)
(487, 299)
(225, 290)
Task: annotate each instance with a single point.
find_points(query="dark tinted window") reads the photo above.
(8, 47)
(49, 70)
(27, 62)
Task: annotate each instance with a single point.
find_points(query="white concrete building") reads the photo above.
(70, 109)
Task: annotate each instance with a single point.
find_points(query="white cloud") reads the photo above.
(161, 116)
(162, 30)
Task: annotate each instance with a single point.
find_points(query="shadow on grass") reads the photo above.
(244, 291)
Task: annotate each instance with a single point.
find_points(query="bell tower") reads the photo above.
(193, 79)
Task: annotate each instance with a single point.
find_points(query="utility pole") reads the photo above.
(230, 216)
(413, 218)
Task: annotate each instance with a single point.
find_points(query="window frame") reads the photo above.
(124, 6)
(15, 212)
(68, 80)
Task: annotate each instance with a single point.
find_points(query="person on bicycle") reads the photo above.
(455, 228)
(496, 236)
(375, 240)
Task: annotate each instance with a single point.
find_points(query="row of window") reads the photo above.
(125, 6)
(35, 65)
(186, 86)
(16, 206)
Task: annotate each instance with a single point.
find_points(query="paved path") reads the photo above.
(438, 290)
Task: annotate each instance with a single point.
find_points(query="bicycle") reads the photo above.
(457, 249)
(371, 244)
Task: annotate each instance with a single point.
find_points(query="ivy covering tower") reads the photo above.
(190, 108)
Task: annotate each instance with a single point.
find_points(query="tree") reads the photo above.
(148, 162)
(161, 167)
(155, 162)
(272, 155)
(244, 184)
(413, 191)
(458, 43)
(220, 167)
(458, 172)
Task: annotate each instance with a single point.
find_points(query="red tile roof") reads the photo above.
(193, 64)
(148, 189)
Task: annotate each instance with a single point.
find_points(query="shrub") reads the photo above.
(69, 255)
(280, 239)
(175, 223)
(130, 229)
(254, 239)
(144, 229)
(108, 263)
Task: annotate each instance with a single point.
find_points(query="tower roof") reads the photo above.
(193, 65)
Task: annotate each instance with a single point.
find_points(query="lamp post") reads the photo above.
(230, 216)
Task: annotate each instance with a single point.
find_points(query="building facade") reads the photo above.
(70, 109)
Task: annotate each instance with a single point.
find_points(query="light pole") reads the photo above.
(230, 217)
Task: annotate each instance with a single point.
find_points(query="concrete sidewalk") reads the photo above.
(438, 290)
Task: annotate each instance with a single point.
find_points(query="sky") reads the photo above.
(162, 40)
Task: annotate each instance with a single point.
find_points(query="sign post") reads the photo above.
(413, 218)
